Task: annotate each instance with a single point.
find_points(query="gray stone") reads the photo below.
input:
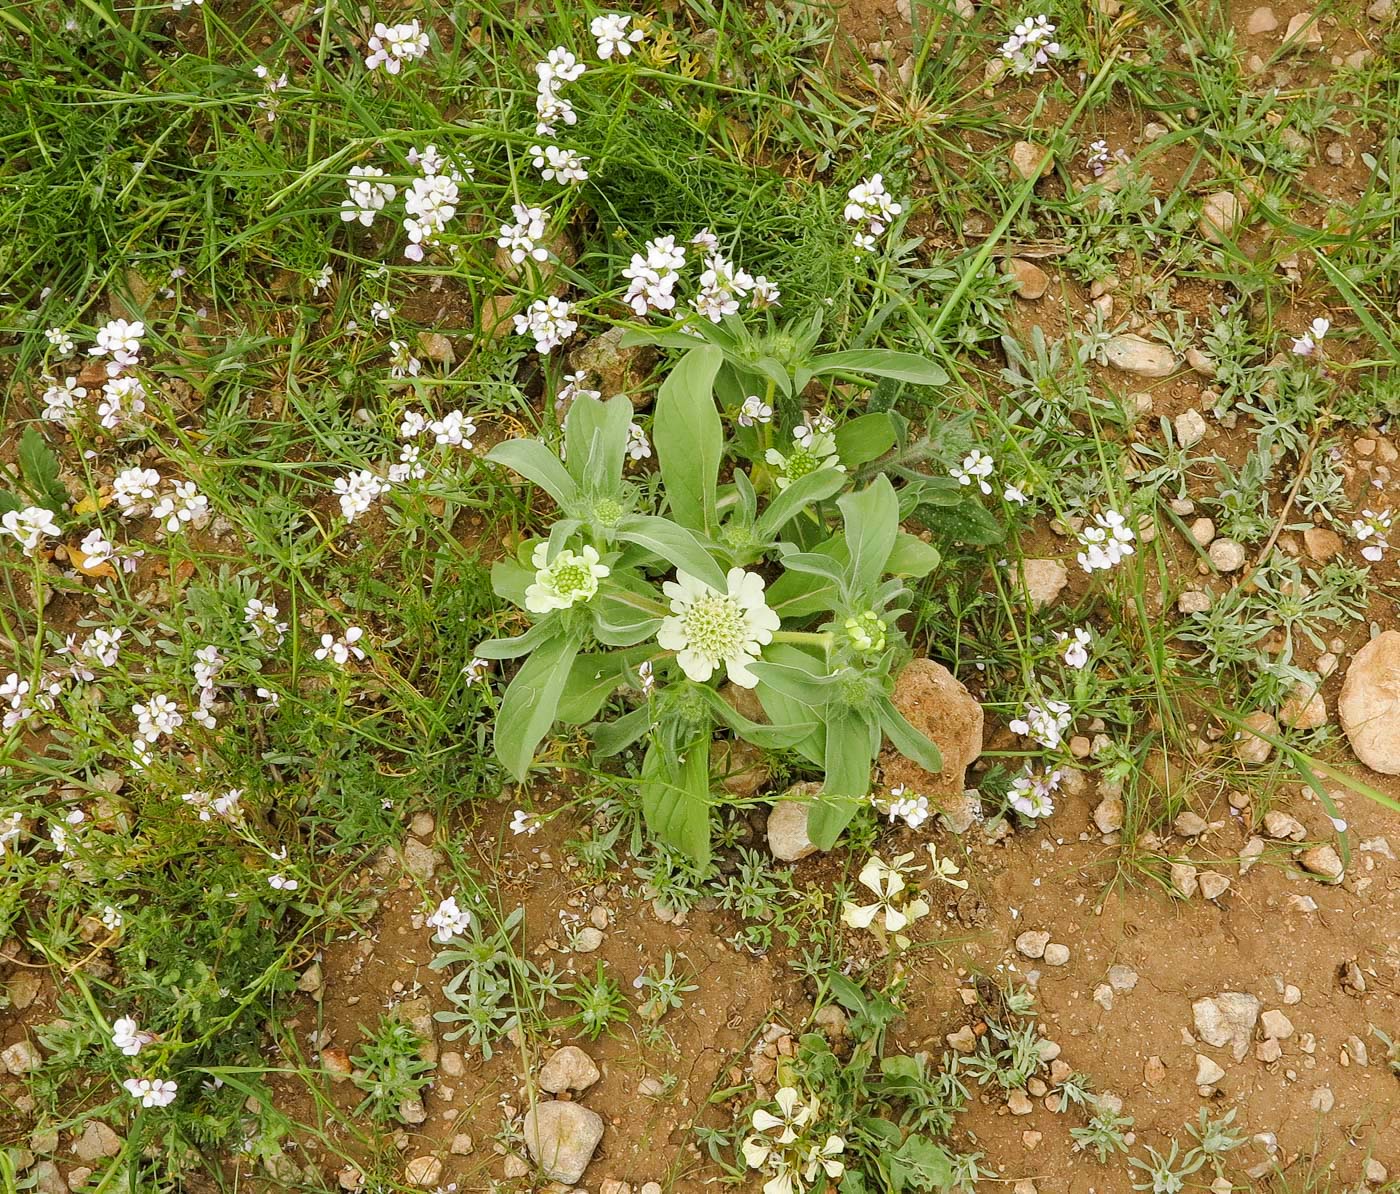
(423, 1172)
(1122, 978)
(787, 824)
(23, 1057)
(1282, 827)
(1322, 861)
(562, 1138)
(1146, 358)
(1191, 428)
(569, 1068)
(1226, 1019)
(1208, 1072)
(1032, 943)
(1056, 954)
(1369, 706)
(1043, 581)
(1275, 1025)
(1221, 214)
(1227, 555)
(97, 1141)
(1261, 20)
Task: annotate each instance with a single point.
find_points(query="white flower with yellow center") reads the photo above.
(886, 881)
(571, 576)
(810, 453)
(709, 627)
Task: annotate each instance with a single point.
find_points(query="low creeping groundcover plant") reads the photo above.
(771, 560)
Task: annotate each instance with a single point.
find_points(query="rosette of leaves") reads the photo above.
(828, 543)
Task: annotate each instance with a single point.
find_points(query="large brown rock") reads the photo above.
(936, 703)
(1369, 707)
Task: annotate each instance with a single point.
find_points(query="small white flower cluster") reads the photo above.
(402, 362)
(1076, 646)
(1373, 530)
(1030, 46)
(181, 504)
(572, 388)
(358, 491)
(548, 321)
(1106, 542)
(449, 920)
(60, 341)
(340, 648)
(1306, 344)
(208, 807)
(123, 397)
(564, 166)
(15, 693)
(159, 717)
(29, 526)
(613, 36)
(638, 446)
(393, 45)
(903, 805)
(976, 467)
(127, 1037)
(151, 1092)
(523, 822)
(753, 411)
(1045, 723)
(870, 204)
(431, 201)
(208, 661)
(96, 549)
(652, 278)
(361, 488)
(525, 237)
(100, 649)
(559, 67)
(1031, 793)
(269, 102)
(261, 618)
(367, 197)
(1097, 158)
(722, 285)
(477, 670)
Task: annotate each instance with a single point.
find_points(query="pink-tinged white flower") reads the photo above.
(402, 362)
(765, 294)
(638, 446)
(268, 103)
(29, 526)
(61, 401)
(183, 504)
(430, 203)
(1373, 530)
(449, 920)
(722, 285)
(1076, 646)
(523, 822)
(1030, 46)
(208, 662)
(101, 647)
(572, 388)
(1031, 793)
(812, 426)
(280, 882)
(393, 45)
(10, 829)
(1097, 158)
(709, 628)
(413, 424)
(896, 909)
(358, 491)
(151, 1092)
(261, 617)
(158, 717)
(613, 35)
(568, 578)
(754, 410)
(646, 677)
(268, 697)
(652, 277)
(552, 110)
(1306, 344)
(59, 340)
(120, 341)
(558, 165)
(548, 322)
(15, 692)
(1045, 723)
(868, 202)
(903, 805)
(525, 237)
(559, 65)
(1012, 494)
(477, 670)
(111, 919)
(96, 549)
(975, 468)
(340, 649)
(367, 197)
(128, 1038)
(409, 467)
(133, 488)
(123, 400)
(1106, 543)
(455, 428)
(706, 241)
(381, 312)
